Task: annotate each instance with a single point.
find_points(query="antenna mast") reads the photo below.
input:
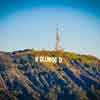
(58, 40)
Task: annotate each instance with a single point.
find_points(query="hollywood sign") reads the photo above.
(47, 59)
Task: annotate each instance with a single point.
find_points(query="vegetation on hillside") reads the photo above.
(76, 78)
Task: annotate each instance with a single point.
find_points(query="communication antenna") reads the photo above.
(58, 40)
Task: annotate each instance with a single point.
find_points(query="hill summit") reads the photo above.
(48, 75)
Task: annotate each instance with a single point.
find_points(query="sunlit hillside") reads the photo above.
(23, 77)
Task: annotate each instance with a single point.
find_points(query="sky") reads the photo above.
(32, 24)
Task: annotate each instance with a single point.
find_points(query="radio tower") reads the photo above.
(58, 41)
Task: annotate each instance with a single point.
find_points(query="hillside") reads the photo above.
(76, 77)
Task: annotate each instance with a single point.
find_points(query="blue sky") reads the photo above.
(32, 24)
